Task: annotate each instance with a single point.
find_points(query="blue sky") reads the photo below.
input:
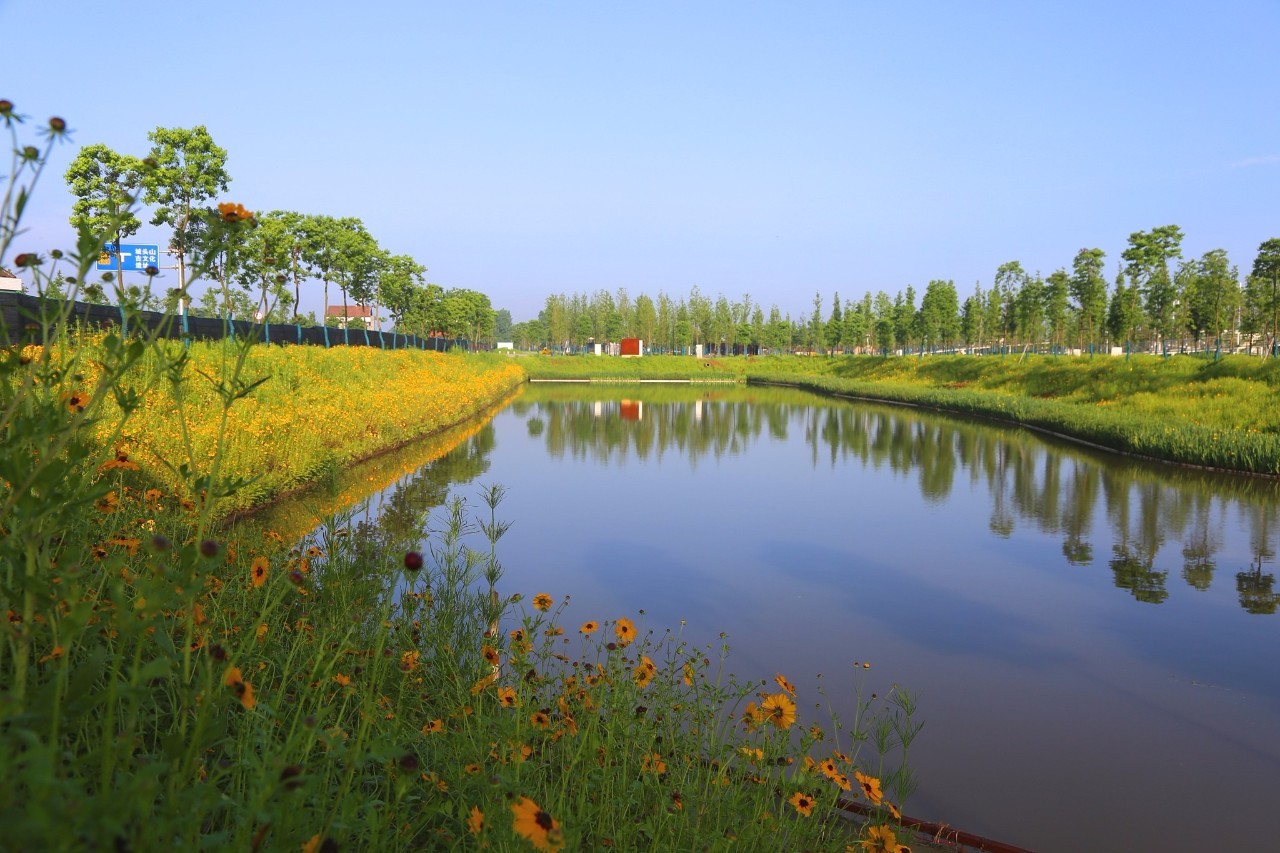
(769, 149)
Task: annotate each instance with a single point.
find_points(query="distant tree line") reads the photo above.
(259, 271)
(1201, 303)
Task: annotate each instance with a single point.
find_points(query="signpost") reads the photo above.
(133, 258)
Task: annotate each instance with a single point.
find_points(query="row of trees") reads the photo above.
(261, 266)
(1199, 303)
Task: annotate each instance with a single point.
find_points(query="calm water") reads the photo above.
(1093, 642)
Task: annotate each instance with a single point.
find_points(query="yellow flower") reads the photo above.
(433, 727)
(542, 601)
(689, 673)
(777, 708)
(588, 628)
(803, 803)
(540, 828)
(259, 570)
(342, 680)
(491, 654)
(653, 763)
(881, 839)
(644, 672)
(870, 787)
(625, 631)
(507, 696)
(539, 719)
(475, 822)
(233, 212)
(785, 685)
(244, 690)
(752, 716)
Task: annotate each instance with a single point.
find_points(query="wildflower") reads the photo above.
(778, 709)
(472, 769)
(785, 685)
(491, 655)
(262, 632)
(689, 673)
(881, 839)
(342, 680)
(76, 401)
(243, 690)
(752, 716)
(588, 628)
(542, 602)
(413, 561)
(27, 259)
(233, 212)
(434, 727)
(553, 631)
(208, 548)
(121, 461)
(57, 126)
(475, 822)
(507, 696)
(409, 660)
(753, 753)
(540, 719)
(644, 672)
(484, 683)
(540, 828)
(259, 570)
(803, 803)
(625, 631)
(129, 544)
(56, 653)
(653, 763)
(870, 787)
(677, 801)
(110, 503)
(313, 552)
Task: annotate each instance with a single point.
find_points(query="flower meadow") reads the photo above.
(172, 678)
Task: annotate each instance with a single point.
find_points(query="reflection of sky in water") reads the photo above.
(1058, 709)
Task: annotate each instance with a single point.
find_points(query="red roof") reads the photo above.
(351, 311)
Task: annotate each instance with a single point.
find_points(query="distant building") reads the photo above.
(347, 313)
(9, 281)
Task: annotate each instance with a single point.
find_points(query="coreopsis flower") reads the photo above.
(542, 602)
(803, 803)
(785, 685)
(258, 570)
(233, 212)
(870, 787)
(535, 825)
(589, 628)
(243, 690)
(778, 709)
(625, 631)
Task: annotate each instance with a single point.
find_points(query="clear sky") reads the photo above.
(771, 149)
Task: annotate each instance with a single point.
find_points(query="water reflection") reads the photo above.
(1057, 487)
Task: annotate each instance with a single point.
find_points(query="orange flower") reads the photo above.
(542, 602)
(259, 570)
(625, 631)
(540, 828)
(434, 727)
(342, 680)
(803, 803)
(653, 763)
(689, 673)
(870, 787)
(491, 654)
(244, 690)
(881, 839)
(507, 696)
(233, 212)
(588, 628)
(475, 822)
(644, 672)
(785, 685)
(778, 709)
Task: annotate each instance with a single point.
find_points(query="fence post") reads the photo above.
(326, 336)
(299, 333)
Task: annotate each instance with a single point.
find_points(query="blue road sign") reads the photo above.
(132, 258)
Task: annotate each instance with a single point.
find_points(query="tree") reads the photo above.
(835, 325)
(105, 184)
(939, 318)
(185, 171)
(1147, 260)
(1010, 279)
(402, 290)
(1088, 288)
(1266, 269)
(1056, 303)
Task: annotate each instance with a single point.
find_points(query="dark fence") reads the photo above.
(23, 319)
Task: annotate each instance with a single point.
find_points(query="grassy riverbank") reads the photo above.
(170, 681)
(1220, 414)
